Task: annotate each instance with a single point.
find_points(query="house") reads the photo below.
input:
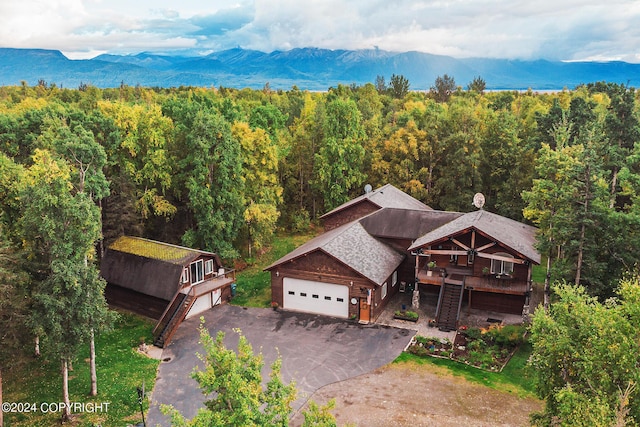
(344, 272)
(168, 282)
(480, 256)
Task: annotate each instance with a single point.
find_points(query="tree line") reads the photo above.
(221, 169)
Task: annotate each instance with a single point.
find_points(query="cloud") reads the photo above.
(223, 21)
(567, 29)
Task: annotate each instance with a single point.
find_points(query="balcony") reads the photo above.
(485, 283)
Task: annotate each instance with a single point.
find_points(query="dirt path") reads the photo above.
(410, 395)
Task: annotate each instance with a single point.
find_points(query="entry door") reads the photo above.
(365, 310)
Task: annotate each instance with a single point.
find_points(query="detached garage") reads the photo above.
(315, 297)
(344, 273)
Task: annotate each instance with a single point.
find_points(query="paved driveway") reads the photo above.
(315, 350)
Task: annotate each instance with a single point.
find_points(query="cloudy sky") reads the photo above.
(523, 29)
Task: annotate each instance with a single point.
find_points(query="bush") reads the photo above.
(506, 336)
(473, 333)
(407, 314)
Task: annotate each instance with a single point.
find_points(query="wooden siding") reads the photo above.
(320, 267)
(349, 214)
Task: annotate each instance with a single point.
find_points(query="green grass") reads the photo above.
(120, 370)
(539, 271)
(253, 284)
(513, 379)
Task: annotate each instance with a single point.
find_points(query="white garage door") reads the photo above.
(204, 303)
(316, 297)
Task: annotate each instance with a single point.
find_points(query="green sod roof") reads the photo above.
(154, 250)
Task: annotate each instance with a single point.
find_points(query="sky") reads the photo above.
(569, 30)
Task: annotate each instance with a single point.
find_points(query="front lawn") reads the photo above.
(120, 370)
(253, 284)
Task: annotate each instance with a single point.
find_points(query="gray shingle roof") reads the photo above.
(353, 246)
(405, 223)
(512, 234)
(386, 196)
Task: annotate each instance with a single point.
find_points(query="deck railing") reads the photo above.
(486, 283)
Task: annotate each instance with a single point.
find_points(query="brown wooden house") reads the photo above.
(484, 257)
(344, 272)
(354, 268)
(167, 282)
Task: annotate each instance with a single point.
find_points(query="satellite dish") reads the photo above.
(367, 189)
(478, 200)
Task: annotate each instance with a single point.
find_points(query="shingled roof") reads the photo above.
(515, 235)
(354, 247)
(408, 224)
(386, 196)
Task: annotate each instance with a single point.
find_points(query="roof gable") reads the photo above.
(386, 196)
(353, 246)
(514, 235)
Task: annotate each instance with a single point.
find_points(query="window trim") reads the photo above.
(208, 266)
(384, 291)
(184, 278)
(501, 270)
(394, 278)
(193, 267)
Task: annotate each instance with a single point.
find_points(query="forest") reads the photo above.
(221, 169)
(224, 170)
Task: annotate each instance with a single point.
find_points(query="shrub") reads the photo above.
(407, 314)
(473, 333)
(506, 336)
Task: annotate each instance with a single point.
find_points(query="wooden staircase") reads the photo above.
(171, 318)
(449, 303)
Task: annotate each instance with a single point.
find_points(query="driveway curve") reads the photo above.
(315, 350)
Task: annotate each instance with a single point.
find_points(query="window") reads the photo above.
(384, 290)
(327, 298)
(315, 296)
(291, 293)
(185, 275)
(197, 272)
(394, 279)
(500, 266)
(208, 266)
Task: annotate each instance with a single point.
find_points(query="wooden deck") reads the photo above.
(485, 284)
(209, 285)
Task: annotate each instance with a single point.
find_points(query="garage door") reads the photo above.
(204, 303)
(316, 297)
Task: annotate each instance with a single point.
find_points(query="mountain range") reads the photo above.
(306, 68)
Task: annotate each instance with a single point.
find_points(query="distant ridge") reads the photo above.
(306, 68)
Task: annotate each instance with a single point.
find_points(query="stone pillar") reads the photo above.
(415, 300)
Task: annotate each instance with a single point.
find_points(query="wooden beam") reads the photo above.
(487, 246)
(502, 258)
(442, 252)
(473, 239)
(462, 245)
